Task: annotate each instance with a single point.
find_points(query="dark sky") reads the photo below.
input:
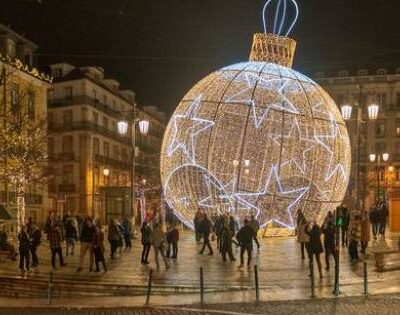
(160, 48)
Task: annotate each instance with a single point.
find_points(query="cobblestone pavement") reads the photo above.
(280, 270)
(382, 305)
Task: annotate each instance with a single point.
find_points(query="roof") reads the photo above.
(7, 30)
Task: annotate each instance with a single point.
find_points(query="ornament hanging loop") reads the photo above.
(280, 17)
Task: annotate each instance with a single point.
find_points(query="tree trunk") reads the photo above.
(21, 213)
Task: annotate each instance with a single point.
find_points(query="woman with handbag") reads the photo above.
(158, 242)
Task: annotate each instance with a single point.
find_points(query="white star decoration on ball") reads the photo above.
(287, 128)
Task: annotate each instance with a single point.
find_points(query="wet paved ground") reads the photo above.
(280, 270)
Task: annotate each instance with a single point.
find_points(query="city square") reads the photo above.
(270, 186)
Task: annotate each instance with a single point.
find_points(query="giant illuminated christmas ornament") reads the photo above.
(257, 138)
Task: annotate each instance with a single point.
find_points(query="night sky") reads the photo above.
(160, 48)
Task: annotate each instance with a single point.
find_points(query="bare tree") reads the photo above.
(23, 138)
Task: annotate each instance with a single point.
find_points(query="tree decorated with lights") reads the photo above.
(257, 138)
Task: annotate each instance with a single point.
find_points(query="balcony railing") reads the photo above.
(89, 126)
(67, 188)
(121, 165)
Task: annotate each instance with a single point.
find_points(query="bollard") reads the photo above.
(256, 284)
(149, 287)
(312, 279)
(49, 292)
(365, 278)
(201, 286)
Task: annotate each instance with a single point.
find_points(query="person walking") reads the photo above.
(245, 238)
(355, 237)
(158, 242)
(329, 238)
(344, 228)
(146, 242)
(54, 236)
(98, 249)
(87, 237)
(383, 215)
(315, 246)
(127, 232)
(226, 241)
(36, 238)
(175, 240)
(374, 217)
(256, 227)
(302, 236)
(205, 230)
(365, 231)
(24, 244)
(114, 237)
(71, 236)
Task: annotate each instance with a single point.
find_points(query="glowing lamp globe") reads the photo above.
(256, 138)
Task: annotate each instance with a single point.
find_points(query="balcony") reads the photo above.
(67, 188)
(89, 126)
(85, 100)
(30, 199)
(121, 165)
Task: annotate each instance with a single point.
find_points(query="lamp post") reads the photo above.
(373, 157)
(123, 127)
(346, 111)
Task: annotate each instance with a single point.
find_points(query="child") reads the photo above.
(98, 249)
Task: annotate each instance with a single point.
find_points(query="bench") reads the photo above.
(380, 255)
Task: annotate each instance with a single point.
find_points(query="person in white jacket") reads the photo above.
(158, 242)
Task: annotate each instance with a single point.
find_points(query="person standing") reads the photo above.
(87, 236)
(113, 237)
(98, 249)
(374, 219)
(54, 236)
(383, 214)
(24, 244)
(127, 232)
(365, 231)
(302, 236)
(71, 236)
(205, 230)
(355, 237)
(256, 226)
(36, 238)
(329, 239)
(146, 242)
(315, 245)
(158, 242)
(245, 237)
(226, 241)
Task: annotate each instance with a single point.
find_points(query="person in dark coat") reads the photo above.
(24, 247)
(383, 214)
(205, 229)
(226, 240)
(329, 239)
(87, 236)
(54, 236)
(35, 237)
(71, 236)
(98, 249)
(245, 237)
(256, 226)
(315, 245)
(175, 240)
(146, 242)
(374, 217)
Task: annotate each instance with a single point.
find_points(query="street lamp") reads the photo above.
(123, 130)
(373, 111)
(106, 172)
(346, 111)
(374, 157)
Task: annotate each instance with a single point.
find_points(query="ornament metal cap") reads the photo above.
(273, 48)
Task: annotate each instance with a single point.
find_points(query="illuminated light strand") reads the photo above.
(281, 21)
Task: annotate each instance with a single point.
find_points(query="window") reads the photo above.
(340, 100)
(96, 146)
(381, 72)
(398, 173)
(105, 122)
(124, 179)
(398, 99)
(94, 95)
(50, 119)
(105, 99)
(67, 144)
(106, 149)
(31, 105)
(96, 179)
(96, 118)
(114, 105)
(380, 147)
(50, 94)
(68, 173)
(398, 127)
(397, 145)
(124, 154)
(343, 73)
(11, 48)
(67, 118)
(84, 114)
(14, 97)
(362, 72)
(68, 92)
(115, 152)
(50, 147)
(382, 97)
(381, 128)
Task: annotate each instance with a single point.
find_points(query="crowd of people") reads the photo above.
(225, 228)
(353, 231)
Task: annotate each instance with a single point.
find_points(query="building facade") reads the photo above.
(23, 90)
(91, 161)
(360, 89)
